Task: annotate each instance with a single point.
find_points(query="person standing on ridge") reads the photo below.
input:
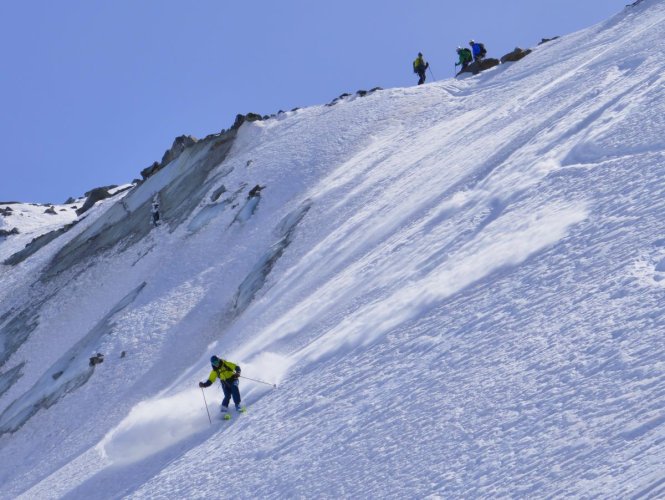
(478, 50)
(228, 374)
(419, 67)
(465, 57)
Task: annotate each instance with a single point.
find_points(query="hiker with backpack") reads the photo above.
(465, 57)
(419, 67)
(478, 50)
(228, 374)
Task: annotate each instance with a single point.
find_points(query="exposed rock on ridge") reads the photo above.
(128, 220)
(515, 55)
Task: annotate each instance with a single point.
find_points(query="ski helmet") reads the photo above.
(215, 362)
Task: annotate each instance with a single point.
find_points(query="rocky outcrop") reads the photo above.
(347, 96)
(255, 191)
(93, 196)
(338, 99)
(9, 232)
(96, 359)
(545, 40)
(249, 117)
(476, 67)
(6, 212)
(180, 143)
(51, 210)
(151, 170)
(515, 55)
(129, 220)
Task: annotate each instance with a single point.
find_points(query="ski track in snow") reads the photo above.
(470, 307)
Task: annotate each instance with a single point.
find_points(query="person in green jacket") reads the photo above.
(228, 374)
(465, 57)
(419, 67)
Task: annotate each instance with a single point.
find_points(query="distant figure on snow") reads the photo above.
(228, 374)
(419, 67)
(155, 210)
(478, 50)
(465, 57)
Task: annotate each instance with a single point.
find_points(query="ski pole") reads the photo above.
(206, 403)
(430, 72)
(274, 386)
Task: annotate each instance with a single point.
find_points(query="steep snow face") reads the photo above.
(458, 288)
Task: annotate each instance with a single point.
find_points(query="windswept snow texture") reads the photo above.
(16, 330)
(257, 277)
(68, 374)
(458, 288)
(7, 379)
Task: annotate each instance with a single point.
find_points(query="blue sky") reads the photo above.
(93, 91)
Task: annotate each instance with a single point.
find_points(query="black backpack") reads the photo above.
(482, 50)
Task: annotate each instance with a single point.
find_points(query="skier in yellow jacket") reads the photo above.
(228, 374)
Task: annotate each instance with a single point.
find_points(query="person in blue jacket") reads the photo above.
(478, 50)
(228, 374)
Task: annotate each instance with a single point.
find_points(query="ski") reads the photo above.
(227, 415)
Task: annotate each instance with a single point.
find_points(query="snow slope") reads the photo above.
(31, 221)
(458, 289)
